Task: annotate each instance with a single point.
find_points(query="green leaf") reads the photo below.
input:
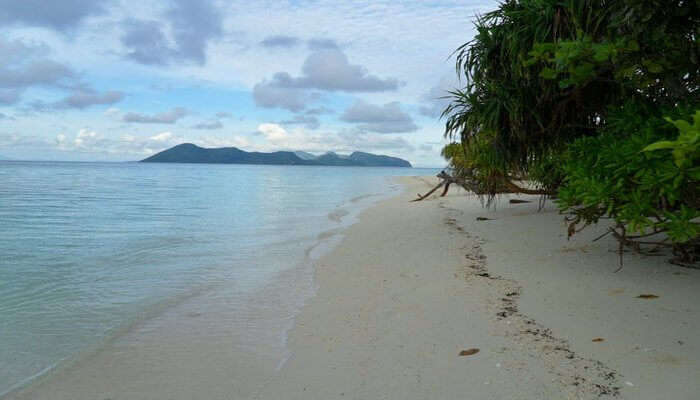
(683, 126)
(548, 73)
(602, 52)
(664, 144)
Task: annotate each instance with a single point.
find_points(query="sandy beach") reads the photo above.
(423, 301)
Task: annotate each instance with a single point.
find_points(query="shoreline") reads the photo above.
(385, 326)
(409, 287)
(43, 384)
(550, 316)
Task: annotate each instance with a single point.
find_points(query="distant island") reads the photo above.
(190, 153)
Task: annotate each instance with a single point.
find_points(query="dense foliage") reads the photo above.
(641, 173)
(592, 101)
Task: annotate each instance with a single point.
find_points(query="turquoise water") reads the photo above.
(87, 248)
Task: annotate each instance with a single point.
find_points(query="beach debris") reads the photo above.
(508, 310)
(484, 219)
(518, 201)
(586, 375)
(647, 296)
(445, 181)
(628, 383)
(468, 352)
(447, 178)
(598, 339)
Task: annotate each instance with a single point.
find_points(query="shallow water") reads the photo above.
(88, 249)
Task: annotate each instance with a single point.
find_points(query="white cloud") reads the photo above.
(233, 141)
(277, 137)
(274, 133)
(162, 137)
(90, 141)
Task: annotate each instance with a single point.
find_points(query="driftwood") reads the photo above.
(446, 181)
(518, 201)
(471, 185)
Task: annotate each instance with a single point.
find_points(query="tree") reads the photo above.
(552, 88)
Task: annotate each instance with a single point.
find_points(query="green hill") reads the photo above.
(190, 153)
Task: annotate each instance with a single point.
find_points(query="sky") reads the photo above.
(119, 80)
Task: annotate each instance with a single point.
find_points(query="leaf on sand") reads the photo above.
(468, 352)
(518, 201)
(598, 339)
(483, 219)
(647, 296)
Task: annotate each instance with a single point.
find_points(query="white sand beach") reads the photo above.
(409, 288)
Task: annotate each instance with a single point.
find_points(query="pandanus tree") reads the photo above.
(561, 97)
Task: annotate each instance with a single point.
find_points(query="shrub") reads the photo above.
(642, 172)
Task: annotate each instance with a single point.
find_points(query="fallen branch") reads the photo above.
(471, 184)
(439, 185)
(445, 182)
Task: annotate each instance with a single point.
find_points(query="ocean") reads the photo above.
(90, 250)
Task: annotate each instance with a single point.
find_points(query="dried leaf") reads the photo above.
(518, 201)
(483, 219)
(647, 296)
(468, 352)
(598, 339)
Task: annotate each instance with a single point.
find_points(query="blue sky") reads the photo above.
(121, 79)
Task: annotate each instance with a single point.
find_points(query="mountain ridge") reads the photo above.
(191, 153)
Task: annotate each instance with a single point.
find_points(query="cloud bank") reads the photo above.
(189, 26)
(387, 118)
(60, 15)
(323, 70)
